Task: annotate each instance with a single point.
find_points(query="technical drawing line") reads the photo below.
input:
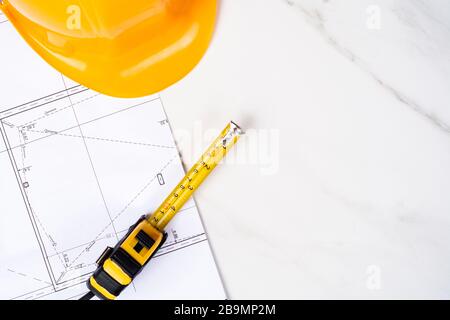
(124, 209)
(27, 205)
(22, 141)
(35, 101)
(171, 244)
(36, 163)
(144, 188)
(31, 292)
(191, 240)
(82, 278)
(36, 105)
(47, 235)
(61, 276)
(27, 193)
(59, 110)
(91, 162)
(9, 124)
(83, 123)
(187, 246)
(76, 296)
(28, 276)
(79, 246)
(119, 232)
(180, 245)
(90, 121)
(105, 139)
(81, 281)
(69, 283)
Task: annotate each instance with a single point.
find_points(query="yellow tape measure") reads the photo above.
(193, 179)
(118, 266)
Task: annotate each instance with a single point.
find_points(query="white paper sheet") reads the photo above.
(76, 170)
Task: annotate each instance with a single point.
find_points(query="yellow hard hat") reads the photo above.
(120, 48)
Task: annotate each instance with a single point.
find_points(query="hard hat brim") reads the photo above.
(134, 62)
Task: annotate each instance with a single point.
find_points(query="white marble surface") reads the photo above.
(341, 188)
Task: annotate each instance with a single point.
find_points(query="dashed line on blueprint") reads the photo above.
(123, 210)
(58, 110)
(102, 139)
(23, 142)
(28, 276)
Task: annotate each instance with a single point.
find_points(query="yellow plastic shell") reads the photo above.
(100, 289)
(122, 49)
(131, 241)
(116, 272)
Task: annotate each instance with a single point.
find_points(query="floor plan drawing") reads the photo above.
(76, 170)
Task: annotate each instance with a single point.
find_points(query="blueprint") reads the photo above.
(76, 170)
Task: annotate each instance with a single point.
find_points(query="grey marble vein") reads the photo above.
(316, 19)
